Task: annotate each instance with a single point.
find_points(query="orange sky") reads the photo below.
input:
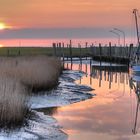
(67, 19)
(67, 13)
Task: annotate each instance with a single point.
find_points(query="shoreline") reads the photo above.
(51, 123)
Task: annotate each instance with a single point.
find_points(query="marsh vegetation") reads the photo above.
(19, 76)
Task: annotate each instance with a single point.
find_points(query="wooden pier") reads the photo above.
(114, 54)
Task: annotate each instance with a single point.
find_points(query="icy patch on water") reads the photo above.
(42, 127)
(66, 93)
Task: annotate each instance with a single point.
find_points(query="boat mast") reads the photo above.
(137, 28)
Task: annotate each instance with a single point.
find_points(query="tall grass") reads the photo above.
(17, 74)
(13, 102)
(38, 72)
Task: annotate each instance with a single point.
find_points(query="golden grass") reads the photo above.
(17, 74)
(13, 101)
(38, 72)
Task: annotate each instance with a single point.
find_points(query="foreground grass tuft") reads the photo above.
(13, 102)
(18, 77)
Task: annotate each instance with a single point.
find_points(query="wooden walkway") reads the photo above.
(114, 54)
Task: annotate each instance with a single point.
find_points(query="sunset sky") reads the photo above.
(66, 18)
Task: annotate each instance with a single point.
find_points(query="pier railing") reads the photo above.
(113, 51)
(118, 54)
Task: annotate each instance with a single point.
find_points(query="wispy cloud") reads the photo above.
(34, 33)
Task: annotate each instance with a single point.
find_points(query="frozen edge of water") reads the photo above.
(66, 93)
(44, 126)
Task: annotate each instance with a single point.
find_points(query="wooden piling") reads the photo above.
(110, 50)
(79, 45)
(59, 50)
(86, 49)
(70, 48)
(100, 51)
(54, 49)
(63, 55)
(130, 51)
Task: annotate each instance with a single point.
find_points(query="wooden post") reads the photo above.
(130, 51)
(63, 47)
(67, 52)
(79, 45)
(86, 49)
(60, 51)
(57, 49)
(100, 51)
(110, 79)
(127, 51)
(54, 49)
(91, 71)
(70, 47)
(110, 50)
(86, 70)
(100, 78)
(92, 49)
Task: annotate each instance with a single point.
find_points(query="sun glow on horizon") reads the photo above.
(1, 45)
(4, 26)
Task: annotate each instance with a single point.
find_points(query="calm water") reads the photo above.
(113, 114)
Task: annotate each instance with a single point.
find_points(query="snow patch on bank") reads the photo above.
(42, 127)
(66, 93)
(45, 127)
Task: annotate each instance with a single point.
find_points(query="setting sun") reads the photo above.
(3, 26)
(1, 45)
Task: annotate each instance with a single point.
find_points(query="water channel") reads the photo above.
(113, 114)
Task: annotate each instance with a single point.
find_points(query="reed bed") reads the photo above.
(36, 72)
(20, 75)
(13, 102)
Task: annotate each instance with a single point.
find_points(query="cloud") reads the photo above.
(36, 33)
(52, 33)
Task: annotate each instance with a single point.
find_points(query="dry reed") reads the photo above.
(13, 102)
(39, 72)
(18, 73)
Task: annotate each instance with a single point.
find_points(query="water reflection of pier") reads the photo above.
(113, 74)
(114, 83)
(109, 75)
